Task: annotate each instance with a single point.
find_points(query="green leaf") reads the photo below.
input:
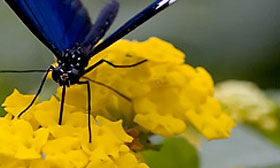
(176, 152)
(2, 112)
(274, 135)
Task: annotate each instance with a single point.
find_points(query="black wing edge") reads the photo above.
(103, 22)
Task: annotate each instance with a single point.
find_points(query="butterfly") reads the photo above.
(65, 28)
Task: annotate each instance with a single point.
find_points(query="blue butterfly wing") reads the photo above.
(59, 24)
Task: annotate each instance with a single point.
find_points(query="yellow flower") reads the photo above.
(16, 103)
(19, 140)
(10, 162)
(123, 161)
(59, 146)
(166, 93)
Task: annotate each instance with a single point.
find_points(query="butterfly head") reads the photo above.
(70, 66)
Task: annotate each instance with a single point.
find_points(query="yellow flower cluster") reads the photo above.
(162, 96)
(37, 140)
(167, 94)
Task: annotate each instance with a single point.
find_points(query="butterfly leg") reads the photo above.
(62, 104)
(89, 108)
(113, 65)
(38, 92)
(108, 87)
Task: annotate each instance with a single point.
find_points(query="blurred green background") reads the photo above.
(232, 39)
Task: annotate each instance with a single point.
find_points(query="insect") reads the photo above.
(65, 28)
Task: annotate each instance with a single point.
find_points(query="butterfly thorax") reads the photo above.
(70, 66)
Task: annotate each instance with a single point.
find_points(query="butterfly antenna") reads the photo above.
(38, 92)
(23, 71)
(132, 24)
(108, 87)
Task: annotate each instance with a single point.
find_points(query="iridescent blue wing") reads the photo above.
(59, 24)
